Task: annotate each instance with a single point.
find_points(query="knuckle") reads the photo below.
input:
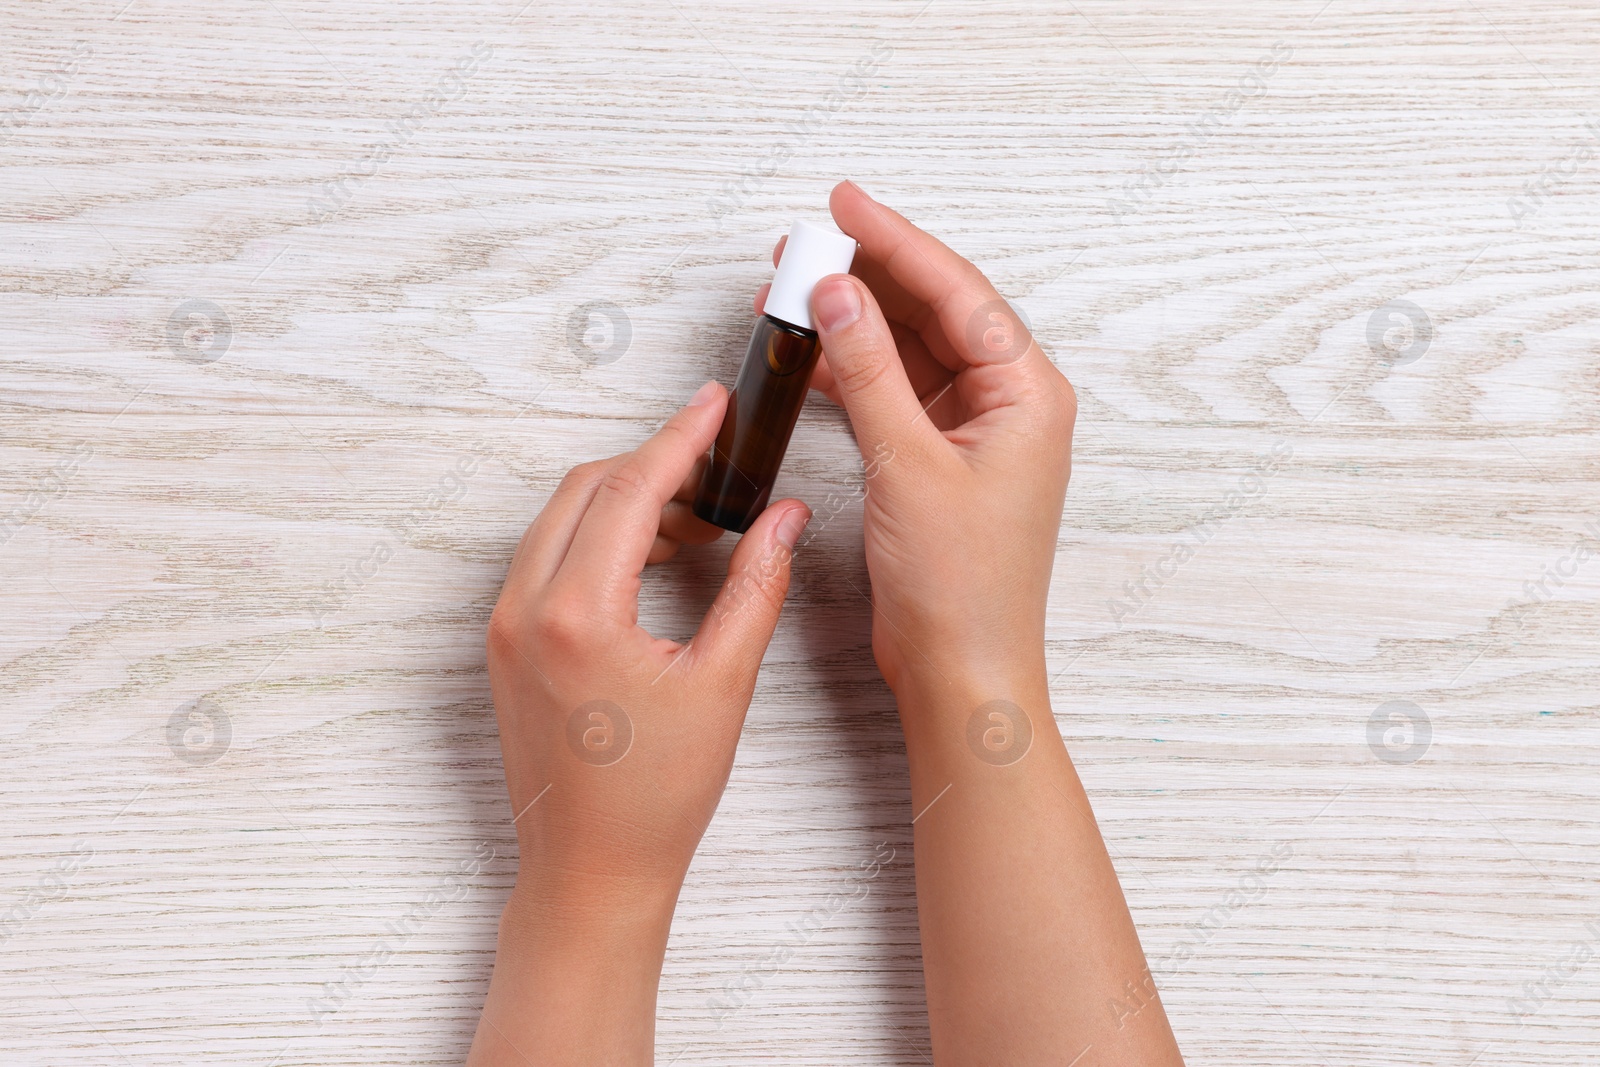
(1054, 404)
(860, 372)
(561, 622)
(769, 583)
(970, 277)
(679, 426)
(626, 477)
(759, 587)
(772, 591)
(1066, 399)
(680, 434)
(585, 473)
(501, 638)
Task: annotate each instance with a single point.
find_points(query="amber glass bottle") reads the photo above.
(755, 432)
(772, 383)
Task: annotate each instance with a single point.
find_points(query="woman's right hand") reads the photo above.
(965, 427)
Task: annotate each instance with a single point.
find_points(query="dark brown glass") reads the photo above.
(762, 411)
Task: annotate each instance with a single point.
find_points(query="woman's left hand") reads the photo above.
(617, 745)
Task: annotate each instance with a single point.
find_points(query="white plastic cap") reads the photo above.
(810, 255)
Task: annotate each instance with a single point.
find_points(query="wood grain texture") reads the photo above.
(181, 532)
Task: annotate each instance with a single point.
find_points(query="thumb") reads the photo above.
(871, 380)
(734, 634)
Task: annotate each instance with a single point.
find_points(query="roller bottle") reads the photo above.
(772, 382)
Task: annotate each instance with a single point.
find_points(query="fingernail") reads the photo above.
(791, 526)
(703, 395)
(835, 304)
(859, 189)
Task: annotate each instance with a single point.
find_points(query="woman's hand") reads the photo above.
(632, 735)
(616, 744)
(966, 430)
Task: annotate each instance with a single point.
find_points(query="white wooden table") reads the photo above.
(304, 308)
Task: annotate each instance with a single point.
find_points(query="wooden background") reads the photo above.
(246, 725)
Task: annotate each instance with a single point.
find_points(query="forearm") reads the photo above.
(575, 979)
(1028, 946)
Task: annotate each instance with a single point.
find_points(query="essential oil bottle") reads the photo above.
(772, 383)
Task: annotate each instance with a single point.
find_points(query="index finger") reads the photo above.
(980, 326)
(614, 538)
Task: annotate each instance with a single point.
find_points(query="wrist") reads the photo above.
(556, 912)
(575, 976)
(947, 685)
(924, 657)
(959, 716)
